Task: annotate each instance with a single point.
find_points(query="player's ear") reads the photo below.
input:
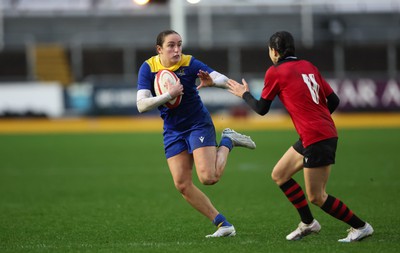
(158, 49)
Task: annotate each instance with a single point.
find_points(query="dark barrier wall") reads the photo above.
(356, 95)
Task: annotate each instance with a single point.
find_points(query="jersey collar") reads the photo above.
(286, 59)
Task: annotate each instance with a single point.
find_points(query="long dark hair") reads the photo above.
(283, 43)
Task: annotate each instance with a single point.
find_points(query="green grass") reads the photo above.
(114, 193)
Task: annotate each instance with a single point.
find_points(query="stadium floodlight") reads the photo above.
(148, 2)
(193, 1)
(141, 2)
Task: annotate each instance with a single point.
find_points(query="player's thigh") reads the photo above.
(205, 159)
(289, 164)
(315, 180)
(180, 167)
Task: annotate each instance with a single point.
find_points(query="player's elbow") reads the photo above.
(262, 112)
(261, 106)
(140, 110)
(140, 107)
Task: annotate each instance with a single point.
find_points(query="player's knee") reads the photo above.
(208, 179)
(274, 176)
(316, 199)
(277, 177)
(182, 187)
(207, 176)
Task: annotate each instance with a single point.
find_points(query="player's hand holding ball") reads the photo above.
(168, 81)
(175, 89)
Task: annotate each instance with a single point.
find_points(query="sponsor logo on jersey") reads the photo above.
(180, 72)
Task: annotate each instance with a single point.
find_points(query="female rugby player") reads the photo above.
(310, 101)
(189, 133)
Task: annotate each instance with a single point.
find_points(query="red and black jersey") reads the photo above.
(303, 92)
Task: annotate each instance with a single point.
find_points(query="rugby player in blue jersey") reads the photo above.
(189, 133)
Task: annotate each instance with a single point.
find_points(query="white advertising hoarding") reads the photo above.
(36, 97)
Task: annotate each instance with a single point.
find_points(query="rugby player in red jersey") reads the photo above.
(309, 100)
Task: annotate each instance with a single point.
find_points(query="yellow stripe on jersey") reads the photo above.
(155, 63)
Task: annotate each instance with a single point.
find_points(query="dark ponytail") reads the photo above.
(283, 43)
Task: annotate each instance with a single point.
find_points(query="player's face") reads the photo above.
(171, 50)
(273, 54)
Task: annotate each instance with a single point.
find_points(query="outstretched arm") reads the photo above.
(242, 90)
(213, 79)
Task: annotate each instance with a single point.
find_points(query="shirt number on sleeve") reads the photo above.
(313, 86)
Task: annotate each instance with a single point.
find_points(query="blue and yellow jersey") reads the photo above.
(191, 110)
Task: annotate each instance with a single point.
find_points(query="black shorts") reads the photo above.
(318, 154)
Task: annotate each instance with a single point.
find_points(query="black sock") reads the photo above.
(295, 194)
(340, 211)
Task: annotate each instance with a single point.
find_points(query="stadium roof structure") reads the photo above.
(74, 7)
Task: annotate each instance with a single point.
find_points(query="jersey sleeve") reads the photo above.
(271, 85)
(145, 80)
(199, 65)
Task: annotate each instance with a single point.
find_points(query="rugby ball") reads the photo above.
(160, 86)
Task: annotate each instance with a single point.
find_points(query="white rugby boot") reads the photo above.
(239, 140)
(357, 234)
(225, 231)
(304, 230)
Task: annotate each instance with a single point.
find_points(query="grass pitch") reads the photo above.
(114, 193)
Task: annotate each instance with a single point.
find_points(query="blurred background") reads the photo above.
(76, 58)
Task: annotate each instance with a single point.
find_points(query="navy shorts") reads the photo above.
(201, 135)
(318, 154)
